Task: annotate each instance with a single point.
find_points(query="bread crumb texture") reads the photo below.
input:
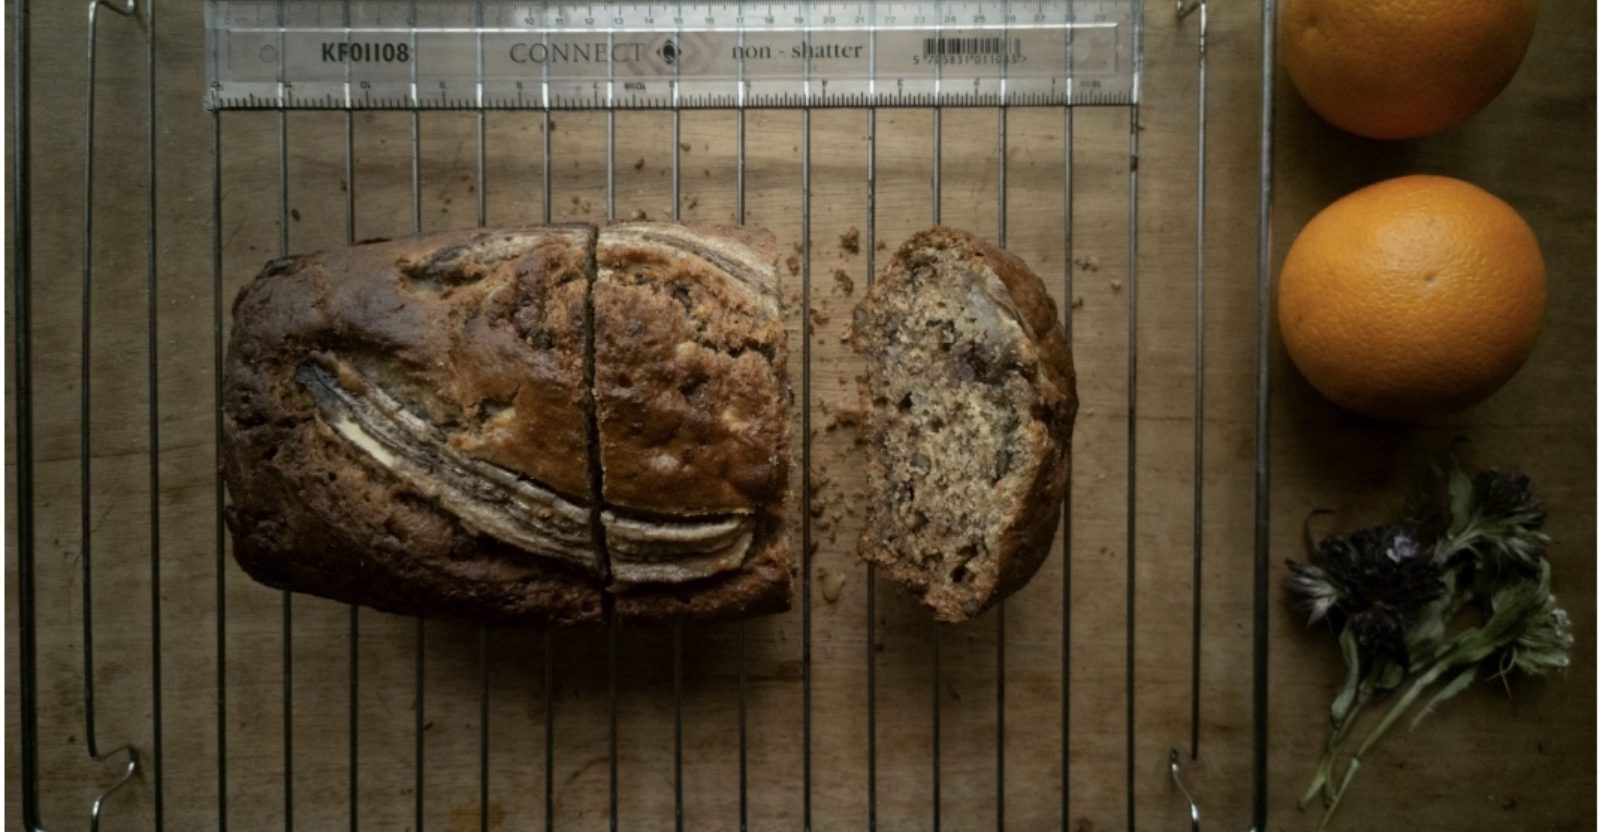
(953, 450)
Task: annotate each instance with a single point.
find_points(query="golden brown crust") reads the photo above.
(448, 335)
(471, 346)
(689, 369)
(692, 401)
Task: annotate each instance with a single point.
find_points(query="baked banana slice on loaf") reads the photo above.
(412, 425)
(969, 399)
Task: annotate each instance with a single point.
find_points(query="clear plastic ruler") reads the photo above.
(470, 54)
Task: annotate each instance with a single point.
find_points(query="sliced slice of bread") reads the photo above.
(969, 399)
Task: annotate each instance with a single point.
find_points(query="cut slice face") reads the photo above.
(969, 408)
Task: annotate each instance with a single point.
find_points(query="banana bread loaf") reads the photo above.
(426, 425)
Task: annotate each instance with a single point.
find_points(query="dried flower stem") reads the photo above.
(1394, 595)
(1404, 704)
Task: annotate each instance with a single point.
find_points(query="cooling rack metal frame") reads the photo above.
(148, 763)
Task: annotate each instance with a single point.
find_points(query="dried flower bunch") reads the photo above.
(1458, 589)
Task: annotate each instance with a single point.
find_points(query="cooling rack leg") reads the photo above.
(84, 437)
(1177, 781)
(483, 632)
(419, 695)
(805, 438)
(1184, 9)
(871, 248)
(549, 638)
(1133, 402)
(805, 424)
(934, 630)
(152, 368)
(1263, 463)
(677, 629)
(218, 492)
(1067, 301)
(1197, 579)
(354, 722)
(20, 299)
(1000, 611)
(611, 622)
(288, 601)
(611, 694)
(744, 739)
(483, 729)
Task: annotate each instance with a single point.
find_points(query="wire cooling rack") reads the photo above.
(251, 774)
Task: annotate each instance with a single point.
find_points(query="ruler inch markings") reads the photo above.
(570, 55)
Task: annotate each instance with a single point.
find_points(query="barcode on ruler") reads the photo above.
(975, 46)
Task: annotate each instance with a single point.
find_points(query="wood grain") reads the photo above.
(1485, 762)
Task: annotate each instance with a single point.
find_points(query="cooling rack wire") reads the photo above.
(148, 762)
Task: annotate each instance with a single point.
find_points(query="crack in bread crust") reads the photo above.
(414, 399)
(513, 507)
(692, 405)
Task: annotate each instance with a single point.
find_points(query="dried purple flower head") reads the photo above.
(1376, 581)
(1507, 499)
(1500, 526)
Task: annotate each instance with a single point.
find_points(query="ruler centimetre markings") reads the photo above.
(570, 55)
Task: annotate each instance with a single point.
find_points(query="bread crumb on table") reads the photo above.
(850, 240)
(793, 264)
(844, 281)
(831, 583)
(843, 417)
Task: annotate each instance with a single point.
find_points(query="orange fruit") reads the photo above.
(1397, 69)
(1413, 297)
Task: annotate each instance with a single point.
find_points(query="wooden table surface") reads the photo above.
(1487, 761)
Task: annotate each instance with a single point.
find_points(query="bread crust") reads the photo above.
(692, 401)
(1028, 533)
(689, 369)
(478, 338)
(311, 513)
